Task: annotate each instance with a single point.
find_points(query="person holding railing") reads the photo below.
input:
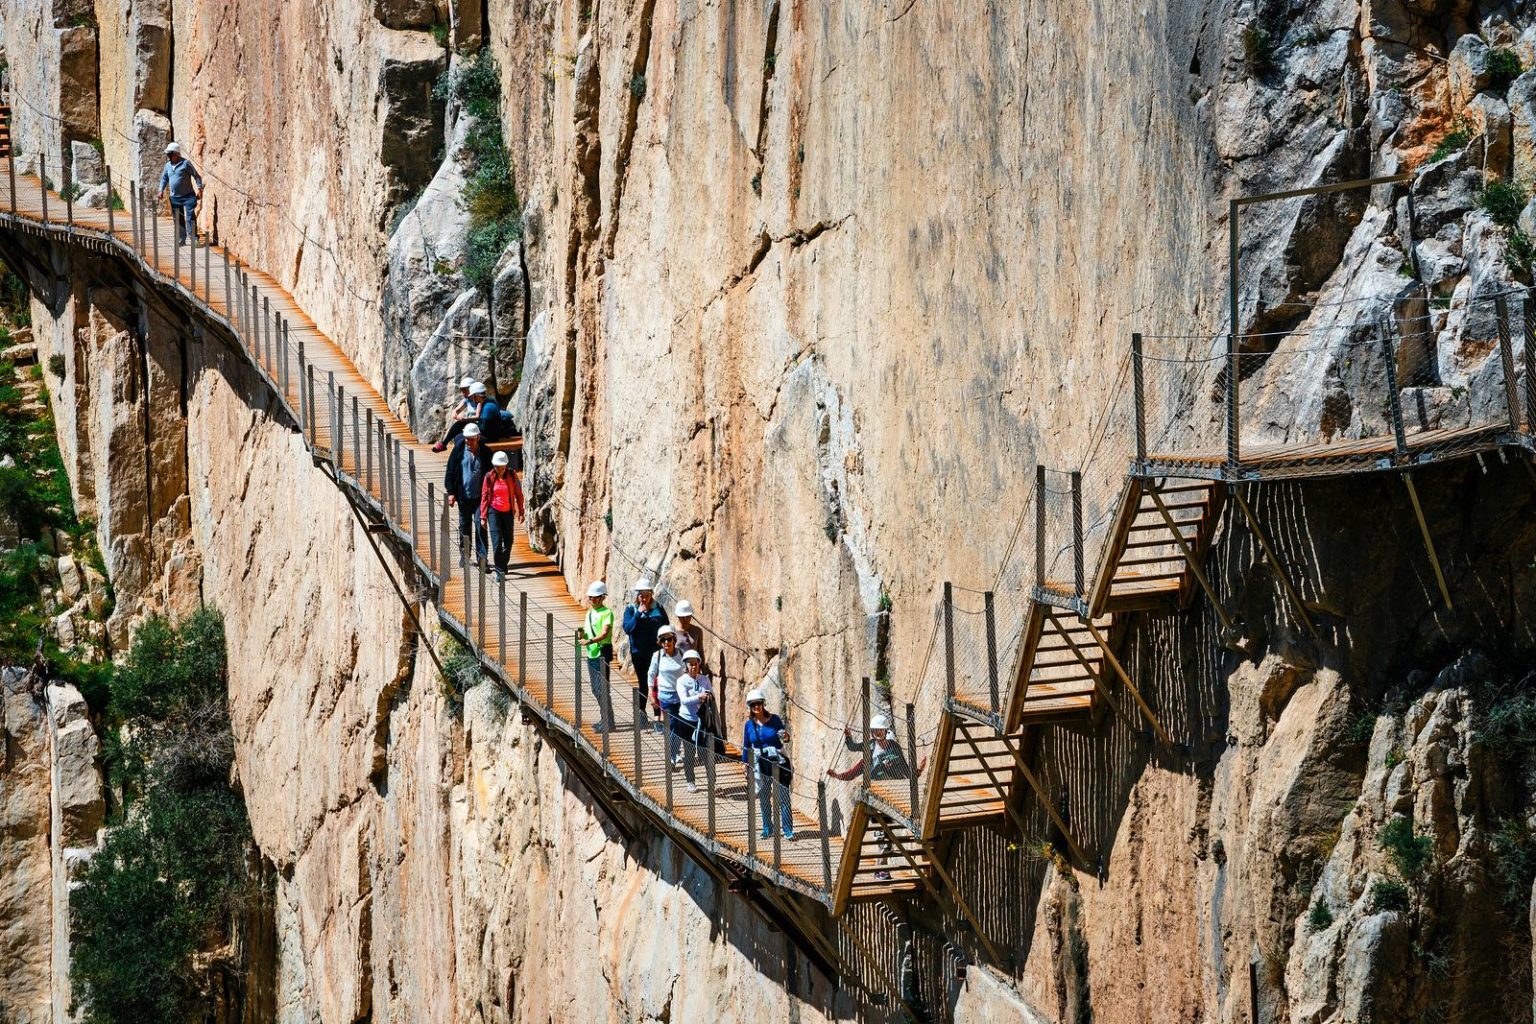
(597, 636)
(762, 749)
(886, 761)
(462, 413)
(467, 466)
(501, 505)
(185, 186)
(695, 698)
(666, 667)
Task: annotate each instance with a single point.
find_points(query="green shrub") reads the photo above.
(56, 365)
(440, 34)
(1409, 852)
(1258, 47)
(461, 669)
(20, 501)
(169, 671)
(1503, 201)
(1388, 894)
(1520, 252)
(1504, 67)
(475, 84)
(637, 86)
(1513, 856)
(1506, 720)
(1320, 917)
(1452, 143)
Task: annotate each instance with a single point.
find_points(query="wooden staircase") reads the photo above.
(1144, 567)
(5, 129)
(890, 861)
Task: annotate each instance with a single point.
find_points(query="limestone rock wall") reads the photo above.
(808, 291)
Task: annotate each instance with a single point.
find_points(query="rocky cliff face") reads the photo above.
(807, 291)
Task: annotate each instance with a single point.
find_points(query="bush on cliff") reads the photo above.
(173, 873)
(490, 191)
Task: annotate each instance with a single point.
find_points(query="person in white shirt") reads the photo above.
(666, 666)
(695, 696)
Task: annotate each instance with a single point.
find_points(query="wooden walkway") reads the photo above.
(523, 630)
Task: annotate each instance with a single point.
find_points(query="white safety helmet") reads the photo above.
(471, 430)
(466, 383)
(174, 147)
(666, 631)
(879, 722)
(499, 459)
(597, 589)
(476, 388)
(642, 584)
(684, 608)
(693, 655)
(756, 697)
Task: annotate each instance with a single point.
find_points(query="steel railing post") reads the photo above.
(1077, 533)
(1394, 396)
(1039, 524)
(207, 275)
(666, 765)
(993, 682)
(314, 425)
(549, 684)
(912, 756)
(1138, 392)
(522, 640)
(639, 713)
(432, 562)
(501, 624)
(446, 551)
(412, 508)
(864, 721)
(42, 177)
(1527, 311)
(826, 838)
(1234, 372)
(330, 420)
(192, 260)
(357, 454)
(133, 214)
(754, 775)
(111, 220)
(576, 685)
(68, 177)
(368, 441)
(264, 341)
(605, 701)
(339, 432)
(480, 606)
(398, 481)
(776, 800)
(10, 174)
(1507, 358)
(949, 639)
(709, 785)
(287, 343)
(229, 296)
(549, 649)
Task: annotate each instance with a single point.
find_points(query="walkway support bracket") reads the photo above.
(1291, 593)
(1429, 542)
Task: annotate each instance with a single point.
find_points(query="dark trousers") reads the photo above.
(470, 525)
(184, 213)
(454, 430)
(502, 524)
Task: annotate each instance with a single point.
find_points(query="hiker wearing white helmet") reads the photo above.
(597, 637)
(690, 635)
(463, 412)
(695, 698)
(185, 186)
(495, 425)
(462, 484)
(666, 667)
(642, 619)
(885, 757)
(501, 506)
(762, 749)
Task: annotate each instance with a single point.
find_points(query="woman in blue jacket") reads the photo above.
(762, 748)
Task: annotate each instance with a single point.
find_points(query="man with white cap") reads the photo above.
(501, 506)
(690, 635)
(185, 186)
(642, 620)
(463, 412)
(597, 636)
(467, 466)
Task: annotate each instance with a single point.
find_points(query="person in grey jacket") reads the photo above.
(185, 186)
(467, 466)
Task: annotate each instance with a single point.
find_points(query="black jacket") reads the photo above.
(453, 480)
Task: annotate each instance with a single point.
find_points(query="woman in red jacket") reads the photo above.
(501, 498)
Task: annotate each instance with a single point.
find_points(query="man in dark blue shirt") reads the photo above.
(467, 466)
(185, 186)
